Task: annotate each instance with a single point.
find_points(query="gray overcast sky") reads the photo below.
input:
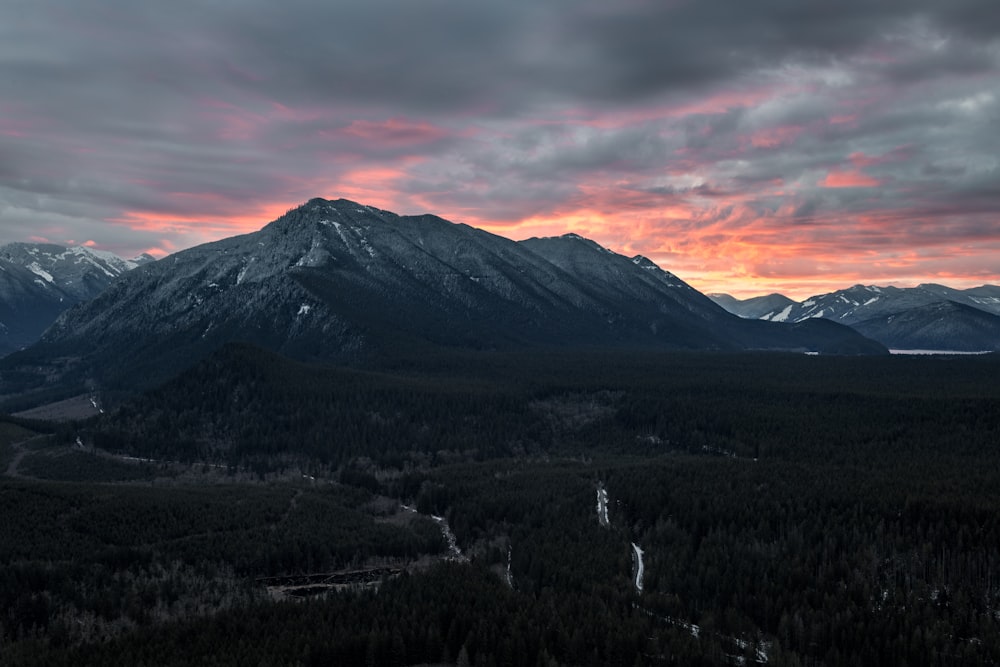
(746, 146)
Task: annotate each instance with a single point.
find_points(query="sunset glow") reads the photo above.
(806, 155)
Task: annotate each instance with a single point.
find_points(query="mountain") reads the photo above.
(340, 281)
(928, 316)
(861, 302)
(753, 308)
(943, 325)
(38, 281)
(984, 297)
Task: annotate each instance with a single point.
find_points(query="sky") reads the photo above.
(748, 147)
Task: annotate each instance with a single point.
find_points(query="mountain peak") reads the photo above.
(567, 241)
(644, 262)
(342, 205)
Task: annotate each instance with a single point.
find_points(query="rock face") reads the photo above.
(38, 281)
(339, 281)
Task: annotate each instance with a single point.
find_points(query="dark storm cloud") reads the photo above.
(435, 55)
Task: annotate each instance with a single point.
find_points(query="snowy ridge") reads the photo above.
(863, 302)
(924, 317)
(38, 281)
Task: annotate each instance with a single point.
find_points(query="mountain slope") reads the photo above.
(928, 316)
(864, 302)
(38, 281)
(755, 307)
(944, 325)
(339, 281)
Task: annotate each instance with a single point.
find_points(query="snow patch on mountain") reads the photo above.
(39, 271)
(243, 271)
(783, 315)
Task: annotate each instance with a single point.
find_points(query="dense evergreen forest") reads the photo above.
(760, 508)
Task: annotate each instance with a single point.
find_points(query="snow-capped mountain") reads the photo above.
(38, 281)
(755, 307)
(864, 302)
(928, 316)
(336, 280)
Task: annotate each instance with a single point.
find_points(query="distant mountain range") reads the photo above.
(340, 281)
(754, 308)
(38, 281)
(930, 317)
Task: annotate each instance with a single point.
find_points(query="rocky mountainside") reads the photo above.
(339, 281)
(753, 308)
(38, 281)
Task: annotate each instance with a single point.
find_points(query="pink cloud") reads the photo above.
(849, 179)
(844, 119)
(394, 132)
(899, 154)
(775, 136)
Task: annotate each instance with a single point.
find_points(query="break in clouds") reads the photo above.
(775, 145)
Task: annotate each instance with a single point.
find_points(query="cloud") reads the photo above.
(854, 178)
(728, 140)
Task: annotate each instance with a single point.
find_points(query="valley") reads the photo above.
(856, 523)
(362, 438)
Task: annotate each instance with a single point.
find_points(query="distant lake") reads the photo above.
(936, 352)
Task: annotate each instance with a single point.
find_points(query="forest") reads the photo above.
(761, 509)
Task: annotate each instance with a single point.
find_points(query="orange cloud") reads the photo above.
(849, 179)
(201, 227)
(374, 186)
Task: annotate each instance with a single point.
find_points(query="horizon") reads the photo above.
(796, 295)
(749, 149)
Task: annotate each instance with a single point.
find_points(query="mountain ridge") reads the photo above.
(928, 316)
(38, 281)
(337, 281)
(753, 308)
